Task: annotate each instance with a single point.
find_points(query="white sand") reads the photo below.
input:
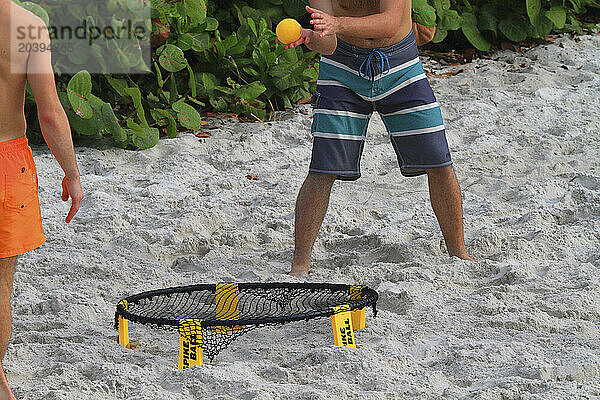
(521, 323)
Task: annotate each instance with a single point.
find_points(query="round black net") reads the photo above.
(216, 314)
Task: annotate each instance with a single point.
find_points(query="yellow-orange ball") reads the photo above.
(288, 31)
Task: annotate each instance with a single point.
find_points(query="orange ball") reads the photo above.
(288, 31)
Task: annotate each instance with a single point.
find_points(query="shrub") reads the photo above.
(485, 22)
(218, 55)
(222, 56)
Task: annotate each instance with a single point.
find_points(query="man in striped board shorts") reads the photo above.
(371, 63)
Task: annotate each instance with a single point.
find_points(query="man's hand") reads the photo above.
(305, 38)
(323, 23)
(72, 188)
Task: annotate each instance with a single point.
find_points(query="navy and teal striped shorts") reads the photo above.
(396, 87)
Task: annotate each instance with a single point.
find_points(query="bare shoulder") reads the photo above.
(26, 23)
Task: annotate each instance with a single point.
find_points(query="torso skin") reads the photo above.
(361, 8)
(12, 85)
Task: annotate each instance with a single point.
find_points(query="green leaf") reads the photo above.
(164, 115)
(534, 10)
(86, 127)
(557, 15)
(79, 90)
(159, 78)
(117, 84)
(96, 102)
(240, 47)
(576, 6)
(542, 27)
(488, 22)
(136, 96)
(198, 102)
(251, 71)
(441, 6)
(252, 26)
(262, 27)
(513, 29)
(439, 35)
(252, 108)
(220, 47)
(311, 73)
(171, 58)
(187, 115)
(199, 41)
(211, 24)
(476, 38)
(219, 104)
(79, 53)
(111, 123)
(206, 84)
(142, 137)
(239, 14)
(264, 48)
(469, 19)
(250, 91)
(191, 81)
(196, 10)
(230, 41)
(424, 14)
(286, 102)
(450, 21)
(173, 89)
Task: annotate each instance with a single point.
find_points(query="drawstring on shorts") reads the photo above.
(366, 65)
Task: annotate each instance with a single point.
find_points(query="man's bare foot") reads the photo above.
(462, 255)
(299, 271)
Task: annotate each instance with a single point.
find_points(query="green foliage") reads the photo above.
(206, 55)
(221, 55)
(485, 22)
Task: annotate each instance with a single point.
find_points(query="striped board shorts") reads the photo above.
(353, 83)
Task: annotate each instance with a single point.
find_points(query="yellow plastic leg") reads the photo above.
(358, 319)
(341, 322)
(190, 343)
(358, 316)
(190, 352)
(124, 332)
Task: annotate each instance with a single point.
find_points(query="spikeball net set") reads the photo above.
(210, 316)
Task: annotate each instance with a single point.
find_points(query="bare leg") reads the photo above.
(444, 192)
(311, 207)
(7, 269)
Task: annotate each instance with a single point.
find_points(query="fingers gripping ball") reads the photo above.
(288, 31)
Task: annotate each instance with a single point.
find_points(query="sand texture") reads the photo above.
(523, 322)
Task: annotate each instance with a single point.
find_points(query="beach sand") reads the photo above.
(523, 322)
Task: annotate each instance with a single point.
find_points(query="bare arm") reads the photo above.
(324, 44)
(380, 25)
(53, 122)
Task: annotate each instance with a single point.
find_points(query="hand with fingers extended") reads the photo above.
(72, 188)
(324, 24)
(305, 38)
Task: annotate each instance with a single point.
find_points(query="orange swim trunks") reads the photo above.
(20, 218)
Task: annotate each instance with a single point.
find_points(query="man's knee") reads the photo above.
(7, 264)
(441, 173)
(321, 179)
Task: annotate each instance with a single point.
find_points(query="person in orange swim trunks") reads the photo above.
(20, 219)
